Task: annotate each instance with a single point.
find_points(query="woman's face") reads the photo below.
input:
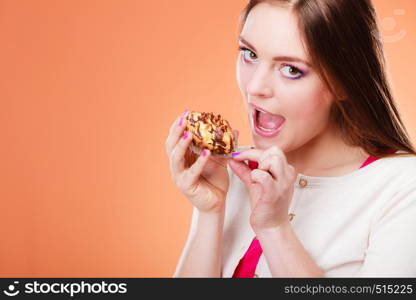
(275, 76)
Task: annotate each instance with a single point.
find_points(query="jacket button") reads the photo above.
(303, 183)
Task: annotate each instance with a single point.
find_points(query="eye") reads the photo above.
(291, 72)
(248, 55)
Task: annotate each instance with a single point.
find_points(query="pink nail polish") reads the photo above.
(180, 122)
(204, 153)
(185, 135)
(184, 113)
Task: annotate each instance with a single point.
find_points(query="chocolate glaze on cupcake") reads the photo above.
(211, 132)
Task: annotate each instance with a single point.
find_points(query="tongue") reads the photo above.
(269, 121)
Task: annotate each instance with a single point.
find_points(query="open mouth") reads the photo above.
(267, 124)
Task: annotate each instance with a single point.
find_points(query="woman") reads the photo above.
(330, 187)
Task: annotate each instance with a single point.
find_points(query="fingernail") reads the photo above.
(204, 153)
(185, 135)
(184, 113)
(235, 154)
(180, 122)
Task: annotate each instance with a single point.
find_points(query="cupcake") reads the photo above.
(211, 132)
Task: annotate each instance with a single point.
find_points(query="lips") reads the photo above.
(265, 123)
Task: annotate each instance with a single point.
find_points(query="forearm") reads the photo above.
(202, 254)
(285, 254)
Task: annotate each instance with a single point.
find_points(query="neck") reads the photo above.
(326, 155)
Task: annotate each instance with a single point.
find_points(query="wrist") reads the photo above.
(215, 208)
(213, 213)
(275, 226)
(210, 222)
(278, 231)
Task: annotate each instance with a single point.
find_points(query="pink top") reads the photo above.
(248, 263)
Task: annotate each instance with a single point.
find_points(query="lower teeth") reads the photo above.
(265, 129)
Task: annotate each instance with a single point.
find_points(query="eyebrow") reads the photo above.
(277, 58)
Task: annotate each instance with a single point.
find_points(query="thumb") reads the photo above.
(241, 170)
(244, 173)
(236, 134)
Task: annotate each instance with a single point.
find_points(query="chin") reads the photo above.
(265, 143)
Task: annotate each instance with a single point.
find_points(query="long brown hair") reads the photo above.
(343, 41)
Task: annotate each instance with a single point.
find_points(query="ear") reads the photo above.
(339, 93)
(341, 97)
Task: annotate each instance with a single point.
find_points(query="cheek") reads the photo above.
(309, 113)
(310, 106)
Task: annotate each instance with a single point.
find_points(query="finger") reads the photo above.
(236, 133)
(251, 154)
(274, 151)
(274, 165)
(241, 170)
(274, 161)
(192, 174)
(244, 173)
(177, 158)
(175, 123)
(291, 173)
(175, 132)
(260, 176)
(266, 181)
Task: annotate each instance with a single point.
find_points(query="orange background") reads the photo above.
(88, 92)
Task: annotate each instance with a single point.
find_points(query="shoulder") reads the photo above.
(403, 167)
(399, 177)
(390, 176)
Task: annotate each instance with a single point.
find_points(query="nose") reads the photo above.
(260, 84)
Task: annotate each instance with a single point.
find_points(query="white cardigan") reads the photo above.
(362, 224)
